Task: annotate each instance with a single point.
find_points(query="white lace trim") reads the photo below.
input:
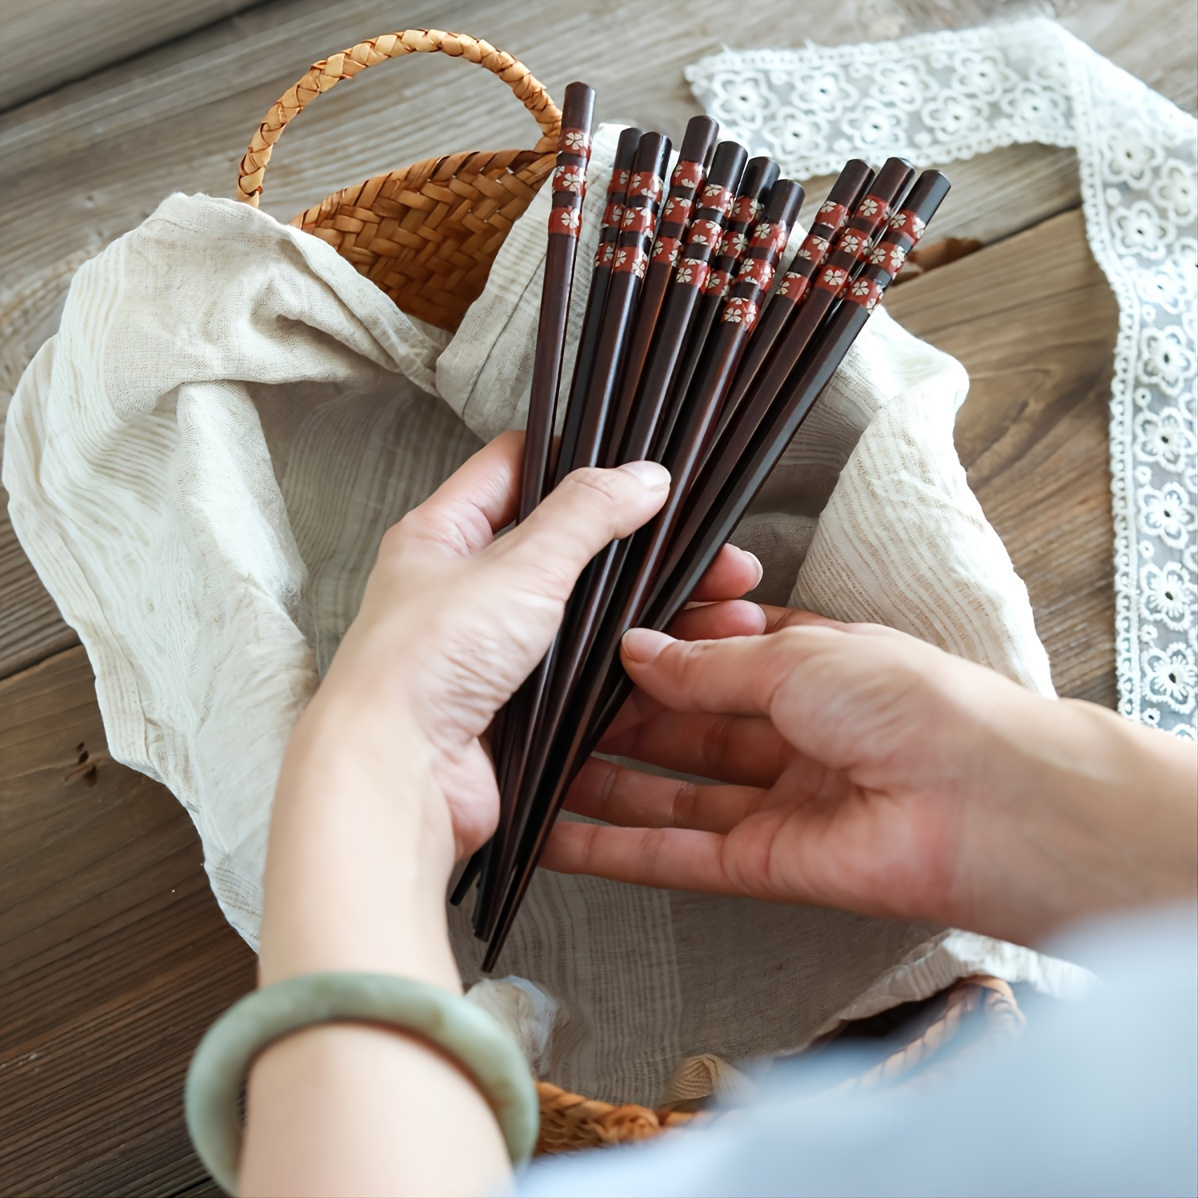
(945, 96)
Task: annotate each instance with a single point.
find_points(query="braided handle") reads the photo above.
(322, 75)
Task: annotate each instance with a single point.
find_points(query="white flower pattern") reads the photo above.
(944, 96)
(569, 178)
(1168, 513)
(1172, 676)
(1168, 595)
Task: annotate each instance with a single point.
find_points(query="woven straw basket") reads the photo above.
(427, 234)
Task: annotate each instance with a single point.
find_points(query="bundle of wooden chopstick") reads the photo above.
(685, 357)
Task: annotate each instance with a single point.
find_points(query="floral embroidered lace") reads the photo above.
(945, 96)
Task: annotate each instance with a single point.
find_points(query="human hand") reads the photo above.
(860, 768)
(455, 618)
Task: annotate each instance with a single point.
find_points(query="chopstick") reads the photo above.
(698, 144)
(705, 529)
(592, 320)
(565, 219)
(650, 545)
(581, 619)
(629, 265)
(760, 174)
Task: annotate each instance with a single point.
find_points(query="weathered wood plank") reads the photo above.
(114, 954)
(48, 43)
(1033, 432)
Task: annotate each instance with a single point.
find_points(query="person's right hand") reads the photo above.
(863, 769)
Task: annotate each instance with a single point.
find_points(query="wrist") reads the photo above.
(349, 757)
(1101, 813)
(360, 853)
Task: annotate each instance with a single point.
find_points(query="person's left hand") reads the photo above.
(454, 618)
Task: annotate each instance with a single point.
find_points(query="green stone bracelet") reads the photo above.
(467, 1033)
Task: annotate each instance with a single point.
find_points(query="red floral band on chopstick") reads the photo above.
(569, 181)
(687, 176)
(852, 244)
(903, 232)
(684, 182)
(746, 210)
(832, 216)
(718, 198)
(712, 206)
(613, 215)
(638, 223)
(666, 249)
(761, 258)
(759, 174)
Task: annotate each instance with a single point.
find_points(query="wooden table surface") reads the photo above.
(113, 953)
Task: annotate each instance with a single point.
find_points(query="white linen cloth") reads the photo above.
(202, 461)
(940, 97)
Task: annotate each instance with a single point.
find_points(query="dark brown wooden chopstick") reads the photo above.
(581, 619)
(845, 254)
(832, 216)
(759, 175)
(651, 544)
(743, 478)
(694, 157)
(605, 251)
(565, 220)
(713, 516)
(629, 265)
(568, 184)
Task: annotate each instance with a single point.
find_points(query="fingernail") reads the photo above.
(757, 562)
(643, 645)
(653, 476)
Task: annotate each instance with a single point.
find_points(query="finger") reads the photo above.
(778, 618)
(733, 573)
(714, 621)
(463, 514)
(738, 676)
(630, 798)
(746, 750)
(588, 510)
(670, 858)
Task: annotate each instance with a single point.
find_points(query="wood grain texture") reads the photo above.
(47, 43)
(1033, 432)
(114, 953)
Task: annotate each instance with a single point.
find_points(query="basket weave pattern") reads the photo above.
(428, 234)
(973, 1014)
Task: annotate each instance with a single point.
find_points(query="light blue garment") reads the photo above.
(1099, 1096)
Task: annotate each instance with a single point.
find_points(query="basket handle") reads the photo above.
(322, 75)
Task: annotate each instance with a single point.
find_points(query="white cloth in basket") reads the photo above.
(203, 459)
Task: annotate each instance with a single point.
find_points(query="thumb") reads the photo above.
(588, 510)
